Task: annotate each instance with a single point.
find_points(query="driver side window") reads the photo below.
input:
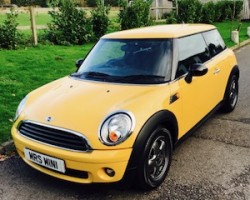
(191, 49)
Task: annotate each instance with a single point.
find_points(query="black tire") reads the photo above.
(231, 94)
(155, 160)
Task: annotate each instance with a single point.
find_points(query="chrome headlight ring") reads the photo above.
(116, 128)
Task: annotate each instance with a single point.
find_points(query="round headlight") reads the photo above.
(20, 108)
(116, 128)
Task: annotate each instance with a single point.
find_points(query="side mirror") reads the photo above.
(197, 69)
(79, 63)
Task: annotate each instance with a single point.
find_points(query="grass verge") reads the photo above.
(226, 27)
(24, 18)
(26, 69)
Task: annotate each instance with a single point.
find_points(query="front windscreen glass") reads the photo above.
(128, 61)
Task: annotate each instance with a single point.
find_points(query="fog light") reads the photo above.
(109, 172)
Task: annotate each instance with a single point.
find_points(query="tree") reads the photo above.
(100, 19)
(9, 35)
(136, 14)
(69, 24)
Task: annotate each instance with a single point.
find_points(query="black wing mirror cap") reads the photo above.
(197, 69)
(79, 63)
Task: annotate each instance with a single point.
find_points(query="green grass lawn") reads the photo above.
(225, 29)
(24, 18)
(26, 69)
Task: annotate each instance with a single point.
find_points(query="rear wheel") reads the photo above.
(231, 95)
(156, 159)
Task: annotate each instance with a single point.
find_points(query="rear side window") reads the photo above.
(214, 42)
(191, 49)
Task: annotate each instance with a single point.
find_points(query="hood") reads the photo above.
(82, 106)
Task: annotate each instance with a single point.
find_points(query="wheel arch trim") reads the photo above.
(236, 71)
(163, 117)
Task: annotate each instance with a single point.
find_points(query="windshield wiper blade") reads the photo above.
(95, 74)
(142, 78)
(75, 74)
(91, 75)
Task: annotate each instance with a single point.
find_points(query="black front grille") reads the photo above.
(54, 136)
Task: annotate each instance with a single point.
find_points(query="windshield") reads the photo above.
(128, 61)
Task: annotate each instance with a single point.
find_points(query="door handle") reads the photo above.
(216, 71)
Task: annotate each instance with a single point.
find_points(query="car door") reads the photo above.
(197, 96)
(218, 63)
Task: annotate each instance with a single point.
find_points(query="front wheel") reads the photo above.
(156, 159)
(231, 95)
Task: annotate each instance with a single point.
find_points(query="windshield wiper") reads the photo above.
(143, 79)
(90, 74)
(95, 74)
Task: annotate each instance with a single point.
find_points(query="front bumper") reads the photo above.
(81, 167)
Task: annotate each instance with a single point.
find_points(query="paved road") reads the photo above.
(214, 163)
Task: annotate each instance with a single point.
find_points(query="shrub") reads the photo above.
(208, 12)
(193, 11)
(93, 3)
(238, 9)
(100, 20)
(112, 2)
(225, 10)
(171, 18)
(218, 11)
(9, 35)
(69, 25)
(135, 15)
(190, 11)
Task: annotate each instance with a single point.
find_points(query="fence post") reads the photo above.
(33, 25)
(156, 9)
(177, 7)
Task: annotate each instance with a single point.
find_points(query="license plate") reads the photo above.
(44, 160)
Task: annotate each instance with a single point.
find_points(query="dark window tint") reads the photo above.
(192, 49)
(142, 61)
(214, 42)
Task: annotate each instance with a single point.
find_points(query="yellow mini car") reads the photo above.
(131, 100)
